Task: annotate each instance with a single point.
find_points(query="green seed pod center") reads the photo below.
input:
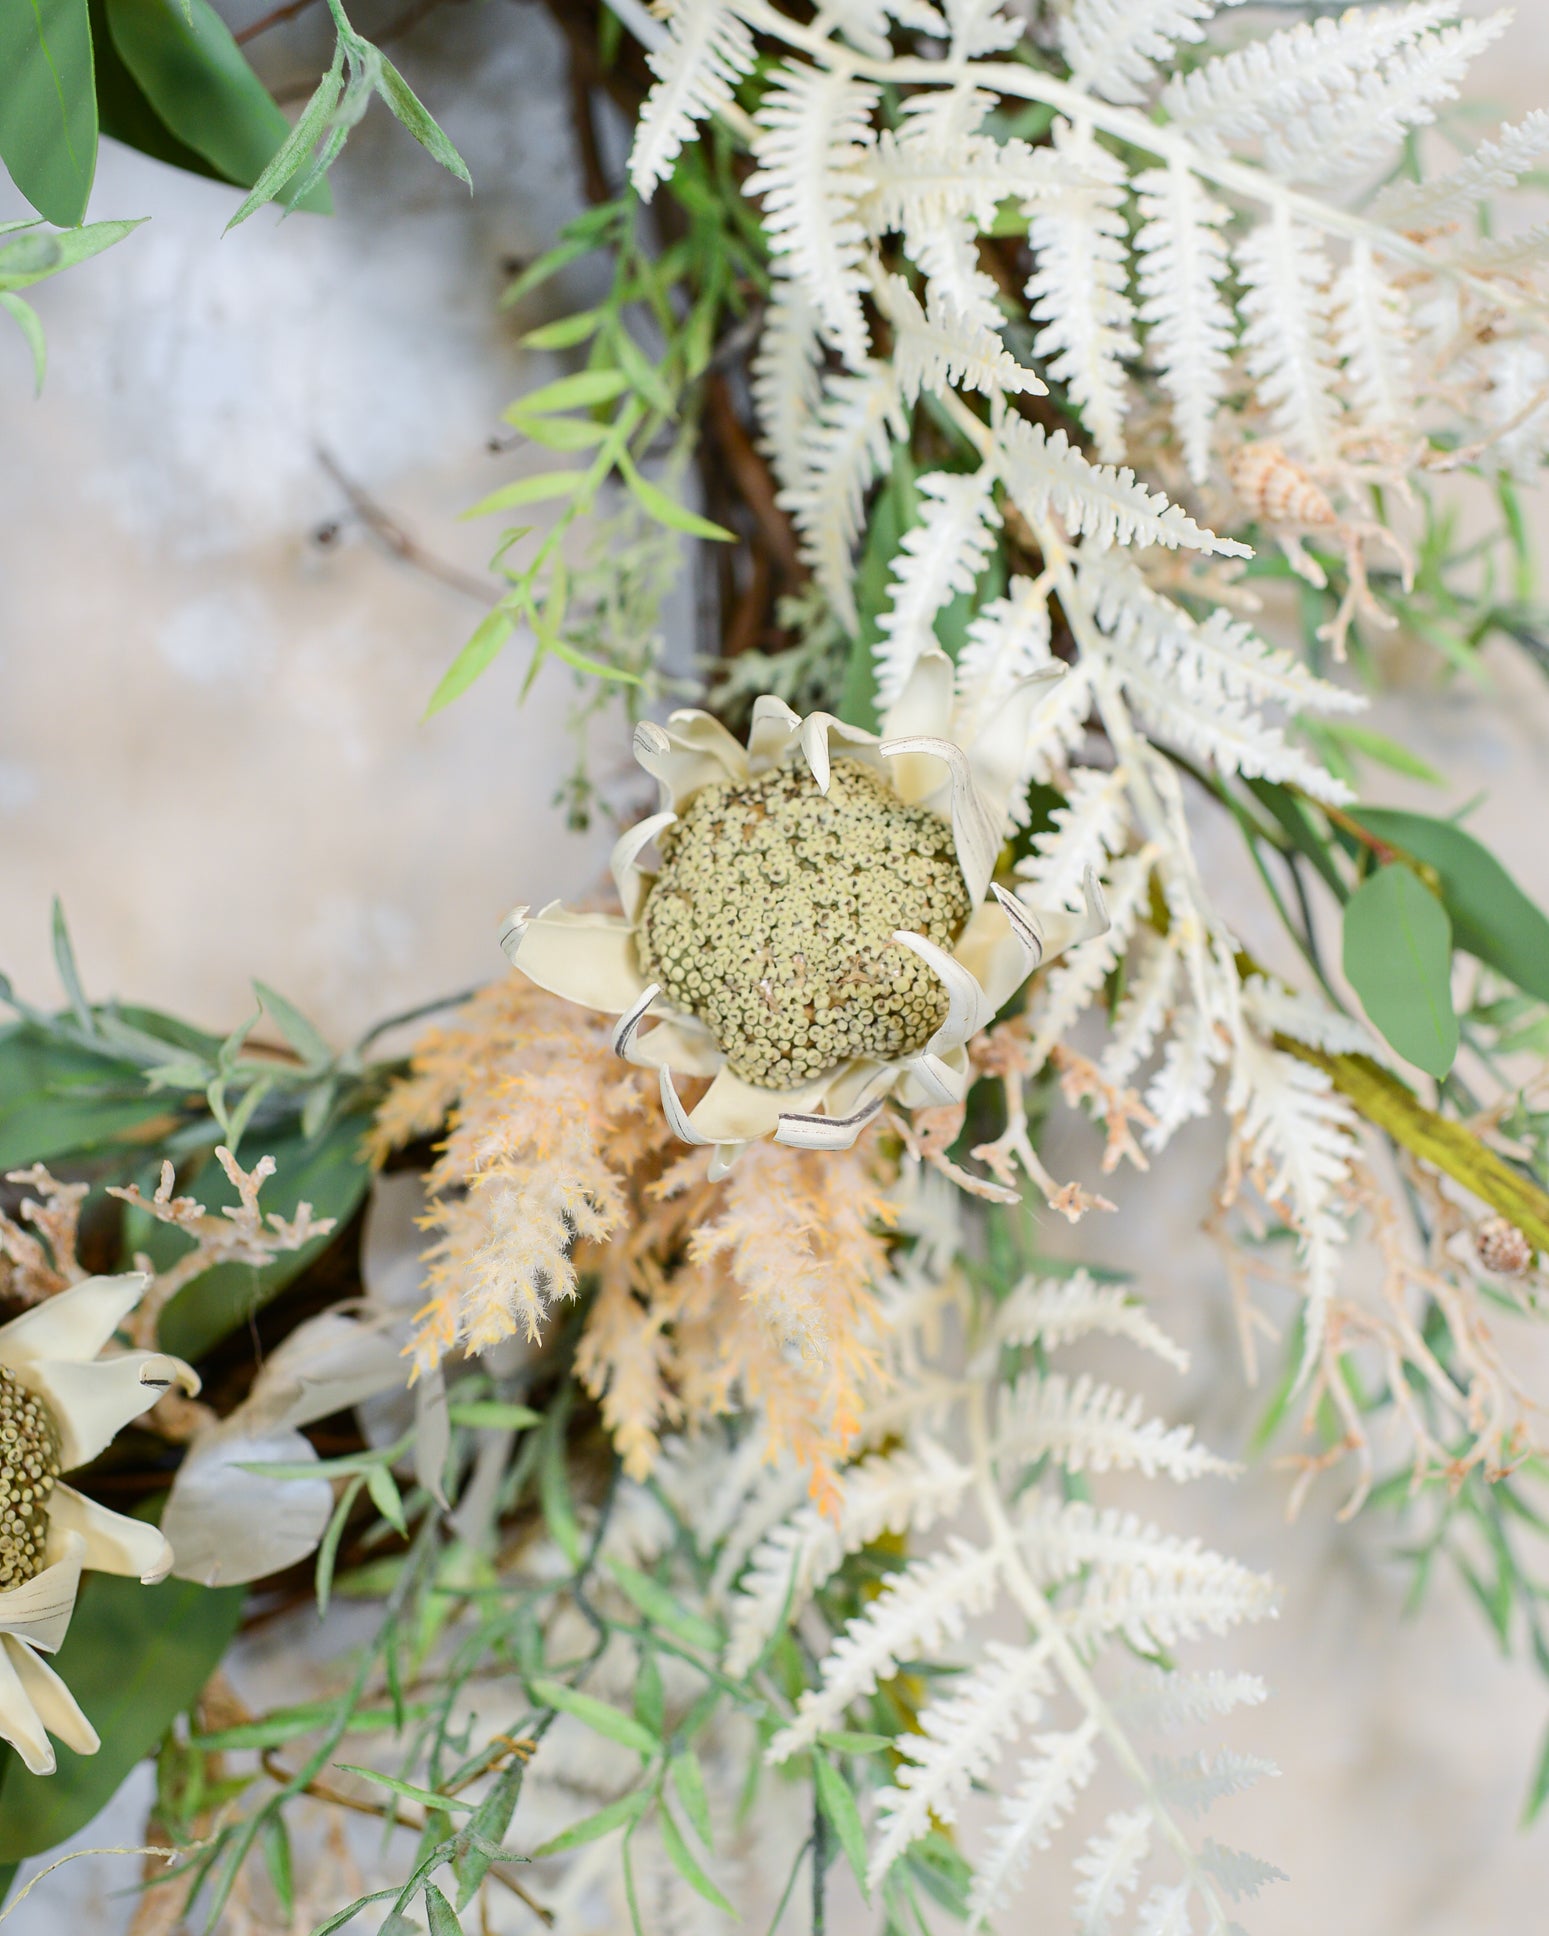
(773, 915)
(29, 1470)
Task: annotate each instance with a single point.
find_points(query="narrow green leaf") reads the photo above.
(564, 433)
(564, 332)
(1398, 958)
(682, 1859)
(48, 105)
(328, 1546)
(1538, 1789)
(30, 323)
(441, 1914)
(597, 1715)
(1386, 752)
(1492, 919)
(667, 511)
(69, 974)
(411, 111)
(839, 1808)
(301, 1034)
(481, 651)
(528, 490)
(426, 1797)
(628, 1808)
(385, 1496)
(842, 1741)
(689, 1780)
(584, 390)
(661, 1606)
(494, 1412)
(277, 1860)
(298, 145)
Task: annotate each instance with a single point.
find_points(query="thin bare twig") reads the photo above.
(397, 541)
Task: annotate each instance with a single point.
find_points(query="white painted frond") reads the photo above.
(1058, 731)
(1151, 979)
(1056, 1311)
(1268, 83)
(935, 349)
(1165, 1912)
(895, 1492)
(958, 1738)
(1114, 46)
(1299, 1136)
(918, 1611)
(842, 452)
(1374, 335)
(1180, 1091)
(936, 167)
(1045, 1793)
(864, 23)
(1182, 263)
(1088, 1427)
(938, 558)
(1239, 1873)
(1094, 823)
(947, 254)
(980, 27)
(1078, 978)
(1517, 404)
(1079, 288)
(1166, 1699)
(1109, 1868)
(1104, 504)
(787, 382)
(707, 51)
(1007, 642)
(1286, 346)
(1196, 1781)
(814, 127)
(1453, 196)
(1276, 1010)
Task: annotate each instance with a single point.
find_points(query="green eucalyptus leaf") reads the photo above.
(1398, 958)
(33, 257)
(60, 1100)
(134, 1658)
(597, 1715)
(1492, 919)
(683, 1860)
(48, 105)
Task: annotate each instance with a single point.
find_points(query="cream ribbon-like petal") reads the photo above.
(976, 840)
(623, 862)
(691, 751)
(1001, 946)
(932, 1081)
(52, 1702)
(227, 1525)
(73, 1324)
(677, 1042)
(38, 1611)
(734, 1111)
(677, 1116)
(826, 1132)
(587, 958)
(327, 1364)
(1062, 930)
(998, 755)
(112, 1543)
(968, 1009)
(629, 1022)
(923, 710)
(775, 730)
(821, 733)
(723, 1159)
(93, 1403)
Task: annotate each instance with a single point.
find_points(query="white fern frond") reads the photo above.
(1079, 288)
(897, 1492)
(1276, 1010)
(1517, 403)
(1268, 83)
(1109, 1868)
(1353, 133)
(1007, 641)
(1094, 822)
(1150, 1590)
(1286, 346)
(864, 23)
(1299, 1136)
(1057, 733)
(1165, 1912)
(1238, 1873)
(960, 1735)
(706, 52)
(935, 168)
(1105, 505)
(1180, 1091)
(947, 255)
(787, 377)
(916, 1612)
(1056, 1311)
(1493, 166)
(1044, 1795)
(1075, 983)
(1373, 334)
(1088, 1427)
(775, 1493)
(940, 557)
(1113, 46)
(1182, 262)
(1165, 1699)
(978, 27)
(937, 349)
(1199, 1780)
(814, 125)
(844, 449)
(1150, 981)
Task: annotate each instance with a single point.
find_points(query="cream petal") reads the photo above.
(677, 1116)
(677, 1042)
(432, 1434)
(1062, 930)
(857, 1083)
(38, 1611)
(52, 1702)
(976, 840)
(326, 1365)
(629, 1022)
(821, 732)
(723, 1159)
(774, 732)
(20, 1723)
(75, 1323)
(691, 751)
(227, 1525)
(826, 1132)
(112, 1542)
(923, 710)
(968, 1008)
(623, 862)
(1001, 946)
(998, 755)
(587, 958)
(734, 1111)
(93, 1403)
(932, 1081)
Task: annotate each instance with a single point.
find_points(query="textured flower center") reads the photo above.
(29, 1468)
(773, 915)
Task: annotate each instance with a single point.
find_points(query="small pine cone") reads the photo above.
(1502, 1248)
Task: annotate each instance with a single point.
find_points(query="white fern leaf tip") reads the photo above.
(707, 51)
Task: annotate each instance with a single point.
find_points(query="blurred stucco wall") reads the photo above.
(211, 746)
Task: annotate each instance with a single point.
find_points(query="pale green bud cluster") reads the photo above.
(773, 915)
(29, 1467)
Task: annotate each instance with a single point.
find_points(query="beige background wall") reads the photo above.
(211, 746)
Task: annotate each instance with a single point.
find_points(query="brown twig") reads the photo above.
(395, 539)
(276, 18)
